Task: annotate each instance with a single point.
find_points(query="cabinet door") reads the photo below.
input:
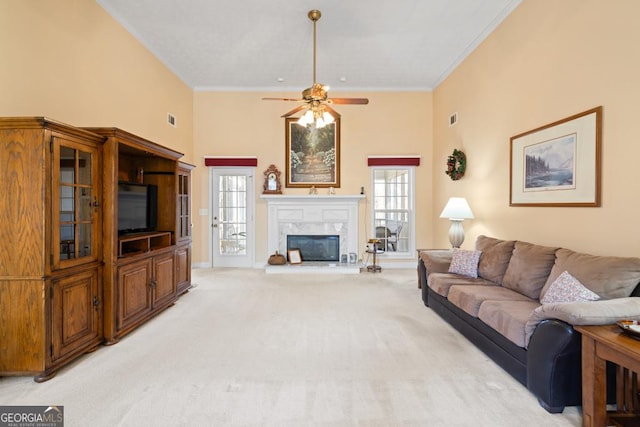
(183, 269)
(76, 313)
(184, 204)
(134, 295)
(75, 196)
(164, 283)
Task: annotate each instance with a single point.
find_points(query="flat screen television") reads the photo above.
(137, 207)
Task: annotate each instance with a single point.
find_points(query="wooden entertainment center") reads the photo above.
(69, 280)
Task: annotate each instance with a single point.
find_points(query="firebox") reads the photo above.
(315, 247)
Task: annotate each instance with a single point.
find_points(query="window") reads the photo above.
(393, 209)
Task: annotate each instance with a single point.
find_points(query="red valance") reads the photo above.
(231, 161)
(394, 161)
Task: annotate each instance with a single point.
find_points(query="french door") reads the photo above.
(232, 217)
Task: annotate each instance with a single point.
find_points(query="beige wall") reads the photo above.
(70, 61)
(547, 61)
(241, 124)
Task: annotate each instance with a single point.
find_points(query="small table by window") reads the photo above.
(374, 268)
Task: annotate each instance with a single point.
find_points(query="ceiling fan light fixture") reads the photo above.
(316, 96)
(328, 118)
(306, 119)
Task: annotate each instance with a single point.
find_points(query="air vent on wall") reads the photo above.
(171, 119)
(453, 119)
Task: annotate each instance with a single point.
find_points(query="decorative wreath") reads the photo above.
(456, 165)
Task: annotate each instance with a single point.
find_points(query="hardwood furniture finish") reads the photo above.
(599, 345)
(183, 233)
(50, 245)
(143, 270)
(68, 281)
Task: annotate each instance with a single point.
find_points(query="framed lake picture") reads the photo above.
(312, 155)
(558, 164)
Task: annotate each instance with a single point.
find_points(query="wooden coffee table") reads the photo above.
(599, 345)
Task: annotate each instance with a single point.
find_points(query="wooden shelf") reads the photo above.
(138, 243)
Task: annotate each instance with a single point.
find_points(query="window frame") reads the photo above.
(411, 215)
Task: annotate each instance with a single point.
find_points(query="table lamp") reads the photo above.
(457, 210)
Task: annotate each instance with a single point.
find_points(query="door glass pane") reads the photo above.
(84, 239)
(85, 209)
(67, 165)
(84, 168)
(232, 214)
(75, 197)
(392, 208)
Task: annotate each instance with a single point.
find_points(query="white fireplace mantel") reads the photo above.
(312, 214)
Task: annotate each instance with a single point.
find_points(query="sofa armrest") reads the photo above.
(554, 365)
(602, 312)
(436, 260)
(431, 261)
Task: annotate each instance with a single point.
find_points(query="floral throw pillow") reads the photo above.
(567, 288)
(465, 262)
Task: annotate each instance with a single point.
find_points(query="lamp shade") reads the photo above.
(457, 208)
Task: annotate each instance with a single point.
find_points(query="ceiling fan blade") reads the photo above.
(333, 112)
(295, 110)
(282, 99)
(360, 101)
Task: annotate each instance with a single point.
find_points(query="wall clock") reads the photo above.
(272, 181)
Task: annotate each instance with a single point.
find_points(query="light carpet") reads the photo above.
(244, 348)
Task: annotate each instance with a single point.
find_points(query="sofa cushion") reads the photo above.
(509, 318)
(465, 262)
(440, 283)
(567, 288)
(608, 276)
(469, 298)
(529, 268)
(495, 257)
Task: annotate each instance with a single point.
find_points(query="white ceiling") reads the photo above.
(367, 45)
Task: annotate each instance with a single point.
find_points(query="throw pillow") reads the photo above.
(465, 262)
(608, 276)
(567, 288)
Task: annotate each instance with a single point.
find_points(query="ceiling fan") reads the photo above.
(315, 99)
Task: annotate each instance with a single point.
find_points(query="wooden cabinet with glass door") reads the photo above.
(183, 252)
(50, 245)
(147, 173)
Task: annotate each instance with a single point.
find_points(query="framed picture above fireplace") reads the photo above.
(312, 155)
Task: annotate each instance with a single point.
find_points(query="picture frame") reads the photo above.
(294, 256)
(312, 155)
(558, 164)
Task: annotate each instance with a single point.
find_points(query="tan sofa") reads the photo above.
(501, 311)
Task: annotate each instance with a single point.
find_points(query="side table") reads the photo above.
(599, 345)
(374, 268)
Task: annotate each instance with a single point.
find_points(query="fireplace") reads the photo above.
(313, 215)
(315, 247)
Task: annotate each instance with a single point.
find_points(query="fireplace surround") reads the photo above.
(317, 215)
